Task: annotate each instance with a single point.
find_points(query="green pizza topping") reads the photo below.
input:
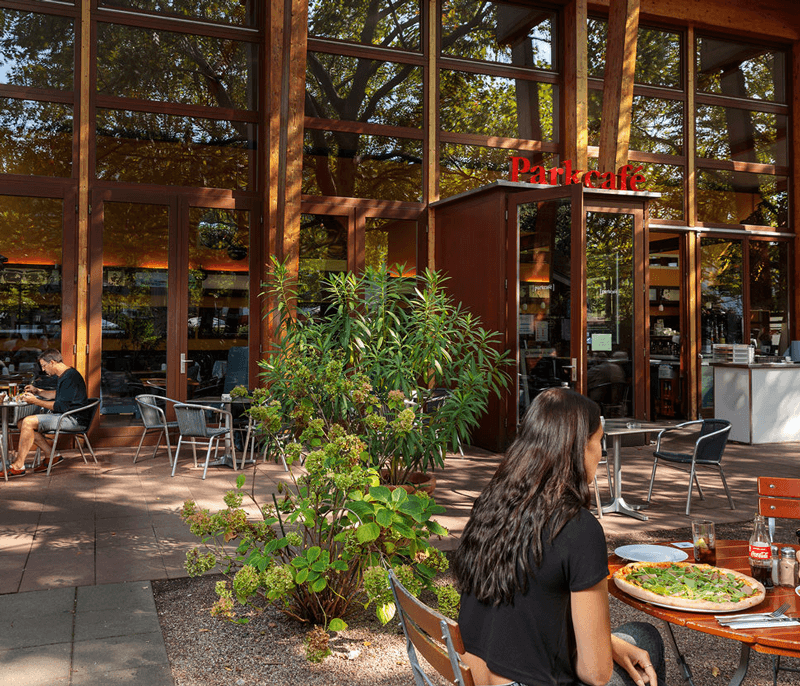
(710, 584)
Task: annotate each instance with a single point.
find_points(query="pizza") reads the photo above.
(689, 586)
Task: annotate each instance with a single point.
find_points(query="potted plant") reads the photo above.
(394, 361)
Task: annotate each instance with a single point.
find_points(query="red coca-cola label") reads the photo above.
(760, 552)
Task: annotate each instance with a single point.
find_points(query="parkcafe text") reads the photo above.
(627, 179)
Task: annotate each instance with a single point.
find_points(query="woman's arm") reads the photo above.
(597, 648)
(590, 618)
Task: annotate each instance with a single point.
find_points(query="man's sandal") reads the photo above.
(12, 473)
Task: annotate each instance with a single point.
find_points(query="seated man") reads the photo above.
(69, 394)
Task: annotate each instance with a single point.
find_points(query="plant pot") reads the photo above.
(416, 481)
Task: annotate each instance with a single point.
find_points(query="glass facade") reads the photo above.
(396, 116)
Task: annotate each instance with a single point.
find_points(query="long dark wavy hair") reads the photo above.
(539, 486)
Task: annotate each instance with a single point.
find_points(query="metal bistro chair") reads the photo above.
(90, 408)
(437, 638)
(708, 449)
(151, 409)
(193, 424)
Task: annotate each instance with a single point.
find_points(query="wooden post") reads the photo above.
(82, 252)
(432, 139)
(615, 126)
(295, 75)
(576, 85)
(795, 191)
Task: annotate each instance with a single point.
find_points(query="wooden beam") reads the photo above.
(84, 127)
(777, 19)
(615, 125)
(432, 143)
(794, 203)
(576, 85)
(295, 75)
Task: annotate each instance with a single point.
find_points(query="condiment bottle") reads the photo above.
(760, 553)
(775, 550)
(788, 567)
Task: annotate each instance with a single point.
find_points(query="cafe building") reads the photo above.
(609, 184)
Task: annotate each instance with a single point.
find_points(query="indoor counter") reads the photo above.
(761, 401)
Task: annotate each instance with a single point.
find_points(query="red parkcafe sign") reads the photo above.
(627, 179)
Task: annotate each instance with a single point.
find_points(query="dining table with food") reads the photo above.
(9, 402)
(669, 582)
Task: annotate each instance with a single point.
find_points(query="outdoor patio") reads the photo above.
(118, 521)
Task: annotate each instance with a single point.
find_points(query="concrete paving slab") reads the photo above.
(36, 619)
(117, 653)
(47, 665)
(150, 675)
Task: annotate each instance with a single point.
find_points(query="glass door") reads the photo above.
(217, 315)
(134, 301)
(172, 282)
(540, 307)
(616, 359)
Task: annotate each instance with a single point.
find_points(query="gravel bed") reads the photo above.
(269, 650)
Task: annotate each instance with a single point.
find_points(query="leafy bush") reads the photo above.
(398, 364)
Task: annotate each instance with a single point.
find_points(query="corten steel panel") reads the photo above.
(471, 250)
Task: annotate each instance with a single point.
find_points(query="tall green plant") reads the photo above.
(394, 361)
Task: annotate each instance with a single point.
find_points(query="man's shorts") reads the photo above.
(48, 423)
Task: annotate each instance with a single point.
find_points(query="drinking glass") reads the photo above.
(705, 542)
(12, 390)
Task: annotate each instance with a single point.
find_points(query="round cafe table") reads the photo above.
(783, 641)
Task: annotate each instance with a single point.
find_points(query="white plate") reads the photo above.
(797, 590)
(650, 553)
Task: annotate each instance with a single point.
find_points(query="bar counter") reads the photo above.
(760, 400)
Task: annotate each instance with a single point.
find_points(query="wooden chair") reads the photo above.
(437, 638)
(778, 498)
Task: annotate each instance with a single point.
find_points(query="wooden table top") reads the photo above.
(732, 555)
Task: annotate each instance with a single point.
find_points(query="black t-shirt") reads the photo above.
(532, 641)
(71, 394)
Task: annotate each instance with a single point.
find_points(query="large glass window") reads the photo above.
(176, 67)
(35, 138)
(387, 23)
(519, 108)
(722, 304)
(138, 147)
(545, 293)
(727, 133)
(356, 165)
(357, 89)
(658, 54)
(498, 32)
(134, 308)
(464, 167)
(393, 243)
(666, 179)
(36, 50)
(219, 310)
(323, 251)
(657, 125)
(30, 283)
(609, 316)
(238, 12)
(740, 70)
(769, 296)
(741, 198)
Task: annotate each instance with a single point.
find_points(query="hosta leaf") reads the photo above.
(367, 533)
(385, 612)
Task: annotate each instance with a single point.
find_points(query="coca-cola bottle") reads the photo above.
(760, 552)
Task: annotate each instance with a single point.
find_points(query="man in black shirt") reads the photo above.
(69, 394)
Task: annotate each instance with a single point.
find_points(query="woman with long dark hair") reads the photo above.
(532, 563)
